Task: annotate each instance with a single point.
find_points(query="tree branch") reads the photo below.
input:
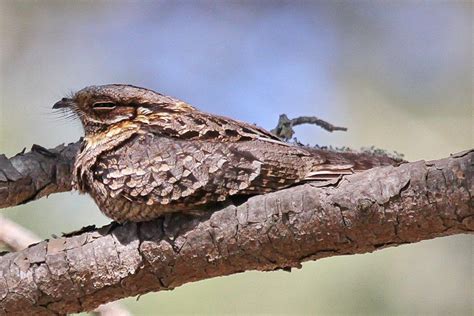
(379, 208)
(284, 128)
(40, 172)
(18, 238)
(14, 236)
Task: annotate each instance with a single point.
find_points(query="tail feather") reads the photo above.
(339, 163)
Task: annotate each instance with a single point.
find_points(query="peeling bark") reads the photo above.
(361, 213)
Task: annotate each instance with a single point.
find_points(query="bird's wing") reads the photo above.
(197, 125)
(153, 170)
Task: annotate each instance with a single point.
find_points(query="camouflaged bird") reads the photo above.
(146, 154)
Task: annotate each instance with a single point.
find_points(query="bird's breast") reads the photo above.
(94, 146)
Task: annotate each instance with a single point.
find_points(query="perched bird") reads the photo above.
(146, 154)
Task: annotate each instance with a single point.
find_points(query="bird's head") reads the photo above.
(99, 107)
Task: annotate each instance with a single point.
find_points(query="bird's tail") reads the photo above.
(339, 163)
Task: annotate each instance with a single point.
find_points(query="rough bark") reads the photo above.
(18, 238)
(32, 175)
(361, 213)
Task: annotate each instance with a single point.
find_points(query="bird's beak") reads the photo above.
(63, 103)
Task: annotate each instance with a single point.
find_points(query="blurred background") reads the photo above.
(397, 74)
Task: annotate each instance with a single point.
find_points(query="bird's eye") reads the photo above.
(103, 106)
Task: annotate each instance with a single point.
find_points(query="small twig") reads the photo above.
(111, 309)
(285, 131)
(15, 236)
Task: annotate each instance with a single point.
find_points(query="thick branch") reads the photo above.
(364, 212)
(18, 238)
(40, 172)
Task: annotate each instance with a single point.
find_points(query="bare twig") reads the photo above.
(284, 128)
(14, 236)
(111, 309)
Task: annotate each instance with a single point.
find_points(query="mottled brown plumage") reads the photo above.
(146, 154)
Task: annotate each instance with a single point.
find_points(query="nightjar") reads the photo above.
(145, 154)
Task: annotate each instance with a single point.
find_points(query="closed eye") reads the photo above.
(103, 106)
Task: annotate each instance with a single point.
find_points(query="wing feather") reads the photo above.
(203, 126)
(155, 170)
